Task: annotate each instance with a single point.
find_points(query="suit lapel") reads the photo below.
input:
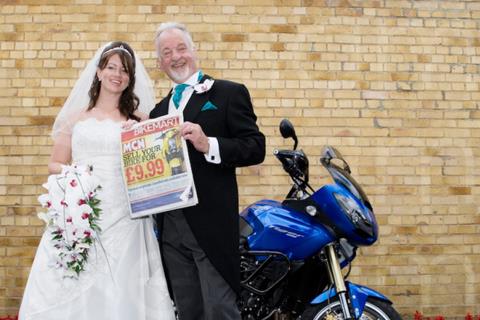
(163, 107)
(193, 107)
(196, 102)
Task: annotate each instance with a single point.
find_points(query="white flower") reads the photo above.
(69, 273)
(204, 86)
(72, 217)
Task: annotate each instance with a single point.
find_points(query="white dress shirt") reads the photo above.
(213, 155)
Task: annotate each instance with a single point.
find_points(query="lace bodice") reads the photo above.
(97, 143)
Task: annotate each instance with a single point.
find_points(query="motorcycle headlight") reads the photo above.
(351, 207)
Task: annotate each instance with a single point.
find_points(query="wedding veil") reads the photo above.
(78, 99)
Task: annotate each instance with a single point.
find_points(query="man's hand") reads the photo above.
(194, 133)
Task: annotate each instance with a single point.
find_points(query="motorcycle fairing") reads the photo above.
(275, 227)
(332, 214)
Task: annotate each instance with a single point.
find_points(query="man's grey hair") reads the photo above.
(173, 25)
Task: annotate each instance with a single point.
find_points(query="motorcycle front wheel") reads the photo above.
(332, 310)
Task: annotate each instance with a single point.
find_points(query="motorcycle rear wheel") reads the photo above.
(373, 310)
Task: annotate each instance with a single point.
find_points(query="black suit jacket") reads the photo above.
(214, 220)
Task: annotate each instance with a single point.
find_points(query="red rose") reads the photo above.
(85, 215)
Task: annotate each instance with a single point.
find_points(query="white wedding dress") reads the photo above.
(124, 278)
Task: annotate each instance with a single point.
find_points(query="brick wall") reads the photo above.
(393, 84)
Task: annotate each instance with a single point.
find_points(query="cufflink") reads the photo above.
(212, 158)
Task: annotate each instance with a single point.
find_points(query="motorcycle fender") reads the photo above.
(358, 295)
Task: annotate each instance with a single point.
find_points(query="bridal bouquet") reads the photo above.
(72, 216)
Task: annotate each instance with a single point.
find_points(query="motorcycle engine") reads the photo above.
(261, 275)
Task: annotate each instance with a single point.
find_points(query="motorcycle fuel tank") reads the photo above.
(278, 228)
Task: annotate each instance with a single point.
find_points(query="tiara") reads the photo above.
(121, 48)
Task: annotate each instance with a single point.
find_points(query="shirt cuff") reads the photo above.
(213, 155)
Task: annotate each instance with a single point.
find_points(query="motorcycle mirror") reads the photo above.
(288, 131)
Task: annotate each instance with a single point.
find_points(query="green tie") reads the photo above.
(177, 94)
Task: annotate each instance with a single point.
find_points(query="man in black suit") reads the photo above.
(200, 243)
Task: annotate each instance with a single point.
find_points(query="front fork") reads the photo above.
(336, 277)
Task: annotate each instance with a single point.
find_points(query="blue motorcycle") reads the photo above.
(293, 252)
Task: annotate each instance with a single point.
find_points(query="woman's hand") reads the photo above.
(127, 125)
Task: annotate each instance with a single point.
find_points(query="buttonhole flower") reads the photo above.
(203, 87)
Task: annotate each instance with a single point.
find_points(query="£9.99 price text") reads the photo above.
(144, 171)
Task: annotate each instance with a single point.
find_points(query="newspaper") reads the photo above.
(156, 167)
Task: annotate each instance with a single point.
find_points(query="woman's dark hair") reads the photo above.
(129, 102)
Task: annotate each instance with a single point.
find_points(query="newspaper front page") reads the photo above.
(156, 167)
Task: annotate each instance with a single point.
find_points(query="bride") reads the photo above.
(123, 278)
